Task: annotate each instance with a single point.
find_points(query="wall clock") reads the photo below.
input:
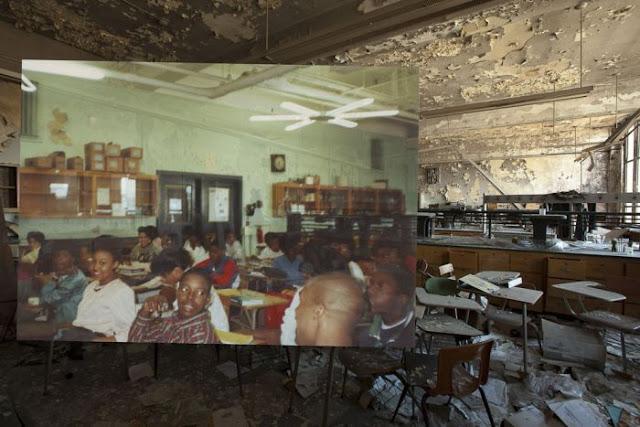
(278, 163)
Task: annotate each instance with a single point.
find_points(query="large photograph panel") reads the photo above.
(218, 203)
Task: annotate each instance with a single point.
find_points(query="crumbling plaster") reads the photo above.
(518, 48)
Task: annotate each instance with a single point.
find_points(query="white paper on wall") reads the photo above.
(104, 198)
(218, 204)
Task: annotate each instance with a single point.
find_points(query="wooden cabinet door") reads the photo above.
(566, 268)
(463, 260)
(493, 260)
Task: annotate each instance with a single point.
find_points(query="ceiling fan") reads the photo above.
(342, 116)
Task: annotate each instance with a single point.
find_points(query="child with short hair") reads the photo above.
(190, 324)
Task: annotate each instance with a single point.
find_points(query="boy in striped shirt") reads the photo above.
(190, 324)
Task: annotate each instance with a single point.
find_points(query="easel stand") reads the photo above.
(327, 396)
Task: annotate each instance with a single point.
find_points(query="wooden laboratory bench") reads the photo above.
(541, 268)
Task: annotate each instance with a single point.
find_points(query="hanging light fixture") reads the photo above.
(342, 116)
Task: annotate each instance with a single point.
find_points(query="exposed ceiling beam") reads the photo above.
(331, 37)
(614, 139)
(520, 101)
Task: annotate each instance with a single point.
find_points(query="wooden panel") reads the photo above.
(600, 268)
(528, 263)
(493, 260)
(435, 256)
(566, 268)
(632, 269)
(462, 259)
(632, 310)
(627, 286)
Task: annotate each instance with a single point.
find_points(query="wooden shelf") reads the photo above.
(336, 199)
(36, 201)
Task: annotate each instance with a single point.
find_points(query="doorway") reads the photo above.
(208, 203)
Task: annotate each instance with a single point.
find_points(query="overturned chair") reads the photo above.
(601, 318)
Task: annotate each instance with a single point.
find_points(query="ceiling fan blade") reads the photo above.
(351, 106)
(297, 108)
(343, 123)
(367, 114)
(276, 118)
(299, 124)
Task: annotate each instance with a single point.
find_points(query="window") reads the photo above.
(631, 172)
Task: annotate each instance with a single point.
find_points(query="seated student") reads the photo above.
(386, 253)
(145, 250)
(291, 262)
(167, 269)
(233, 248)
(108, 304)
(85, 260)
(35, 239)
(63, 290)
(324, 312)
(222, 270)
(193, 245)
(169, 241)
(190, 324)
(153, 233)
(272, 250)
(390, 292)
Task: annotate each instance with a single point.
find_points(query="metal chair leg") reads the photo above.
(344, 381)
(296, 364)
(486, 406)
(537, 332)
(624, 352)
(430, 342)
(125, 361)
(423, 408)
(402, 395)
(239, 371)
(47, 368)
(325, 413)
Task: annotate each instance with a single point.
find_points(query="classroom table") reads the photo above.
(256, 302)
(523, 295)
(603, 318)
(443, 324)
(446, 301)
(499, 278)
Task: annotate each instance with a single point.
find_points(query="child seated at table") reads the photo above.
(233, 248)
(291, 262)
(222, 270)
(145, 250)
(190, 324)
(390, 293)
(193, 244)
(167, 269)
(272, 250)
(63, 290)
(108, 304)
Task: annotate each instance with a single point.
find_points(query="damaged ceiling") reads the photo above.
(469, 52)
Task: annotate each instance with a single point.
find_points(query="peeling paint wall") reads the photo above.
(461, 182)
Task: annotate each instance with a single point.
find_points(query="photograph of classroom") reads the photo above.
(158, 204)
(512, 168)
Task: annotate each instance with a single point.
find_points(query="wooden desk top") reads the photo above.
(446, 301)
(267, 300)
(590, 289)
(447, 325)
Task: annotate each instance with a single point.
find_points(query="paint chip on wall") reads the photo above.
(56, 128)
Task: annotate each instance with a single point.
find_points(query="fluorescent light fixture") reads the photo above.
(64, 68)
(299, 124)
(296, 108)
(26, 84)
(337, 116)
(350, 106)
(276, 118)
(343, 123)
(367, 114)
